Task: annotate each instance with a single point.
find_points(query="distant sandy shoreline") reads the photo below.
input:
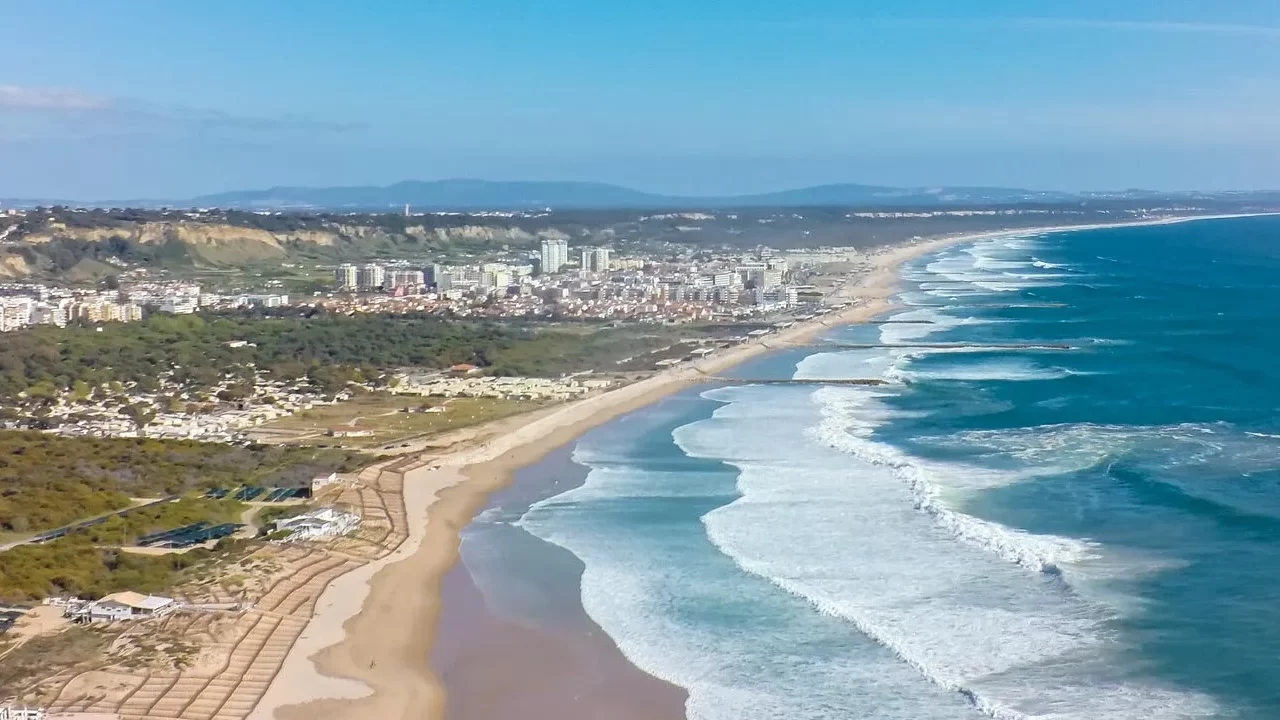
(365, 652)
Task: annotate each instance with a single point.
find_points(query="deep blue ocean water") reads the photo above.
(1017, 533)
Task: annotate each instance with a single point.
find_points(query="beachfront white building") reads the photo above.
(21, 712)
(322, 523)
(125, 605)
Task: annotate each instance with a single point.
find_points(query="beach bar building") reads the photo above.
(125, 605)
(322, 523)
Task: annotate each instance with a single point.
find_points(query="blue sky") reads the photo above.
(143, 98)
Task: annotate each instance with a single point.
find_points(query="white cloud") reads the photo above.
(43, 98)
(43, 111)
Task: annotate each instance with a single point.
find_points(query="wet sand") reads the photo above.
(543, 658)
(368, 651)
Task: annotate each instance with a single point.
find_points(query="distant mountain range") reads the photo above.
(483, 194)
(471, 195)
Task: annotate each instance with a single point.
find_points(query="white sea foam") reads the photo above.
(913, 325)
(982, 262)
(867, 534)
(872, 543)
(1009, 369)
(916, 325)
(845, 365)
(1085, 444)
(998, 265)
(1186, 456)
(1046, 265)
(684, 612)
(849, 417)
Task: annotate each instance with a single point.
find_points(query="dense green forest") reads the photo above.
(328, 349)
(47, 481)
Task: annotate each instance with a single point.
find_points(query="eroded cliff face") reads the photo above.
(149, 233)
(13, 267)
(230, 244)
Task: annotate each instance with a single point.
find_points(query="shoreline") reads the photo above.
(368, 646)
(514, 639)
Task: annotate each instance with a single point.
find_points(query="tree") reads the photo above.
(142, 415)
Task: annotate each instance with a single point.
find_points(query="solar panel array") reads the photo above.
(64, 531)
(249, 494)
(8, 618)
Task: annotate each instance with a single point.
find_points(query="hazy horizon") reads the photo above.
(762, 189)
(677, 99)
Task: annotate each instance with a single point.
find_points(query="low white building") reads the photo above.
(322, 523)
(125, 605)
(15, 712)
(321, 480)
(349, 431)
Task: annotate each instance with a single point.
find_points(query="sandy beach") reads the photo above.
(367, 650)
(514, 639)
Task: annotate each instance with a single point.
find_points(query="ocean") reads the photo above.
(1073, 513)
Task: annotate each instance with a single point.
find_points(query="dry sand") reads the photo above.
(366, 651)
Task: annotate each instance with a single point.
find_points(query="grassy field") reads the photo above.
(385, 416)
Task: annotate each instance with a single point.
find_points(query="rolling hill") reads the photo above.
(462, 194)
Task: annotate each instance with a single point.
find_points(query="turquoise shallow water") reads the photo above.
(1089, 533)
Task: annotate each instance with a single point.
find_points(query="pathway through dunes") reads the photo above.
(240, 653)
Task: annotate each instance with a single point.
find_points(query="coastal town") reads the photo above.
(613, 361)
(376, 379)
(681, 287)
(232, 573)
(281, 541)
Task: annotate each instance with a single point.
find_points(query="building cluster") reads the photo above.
(512, 388)
(183, 298)
(594, 284)
(174, 412)
(24, 305)
(375, 278)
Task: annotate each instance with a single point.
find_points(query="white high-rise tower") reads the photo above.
(555, 255)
